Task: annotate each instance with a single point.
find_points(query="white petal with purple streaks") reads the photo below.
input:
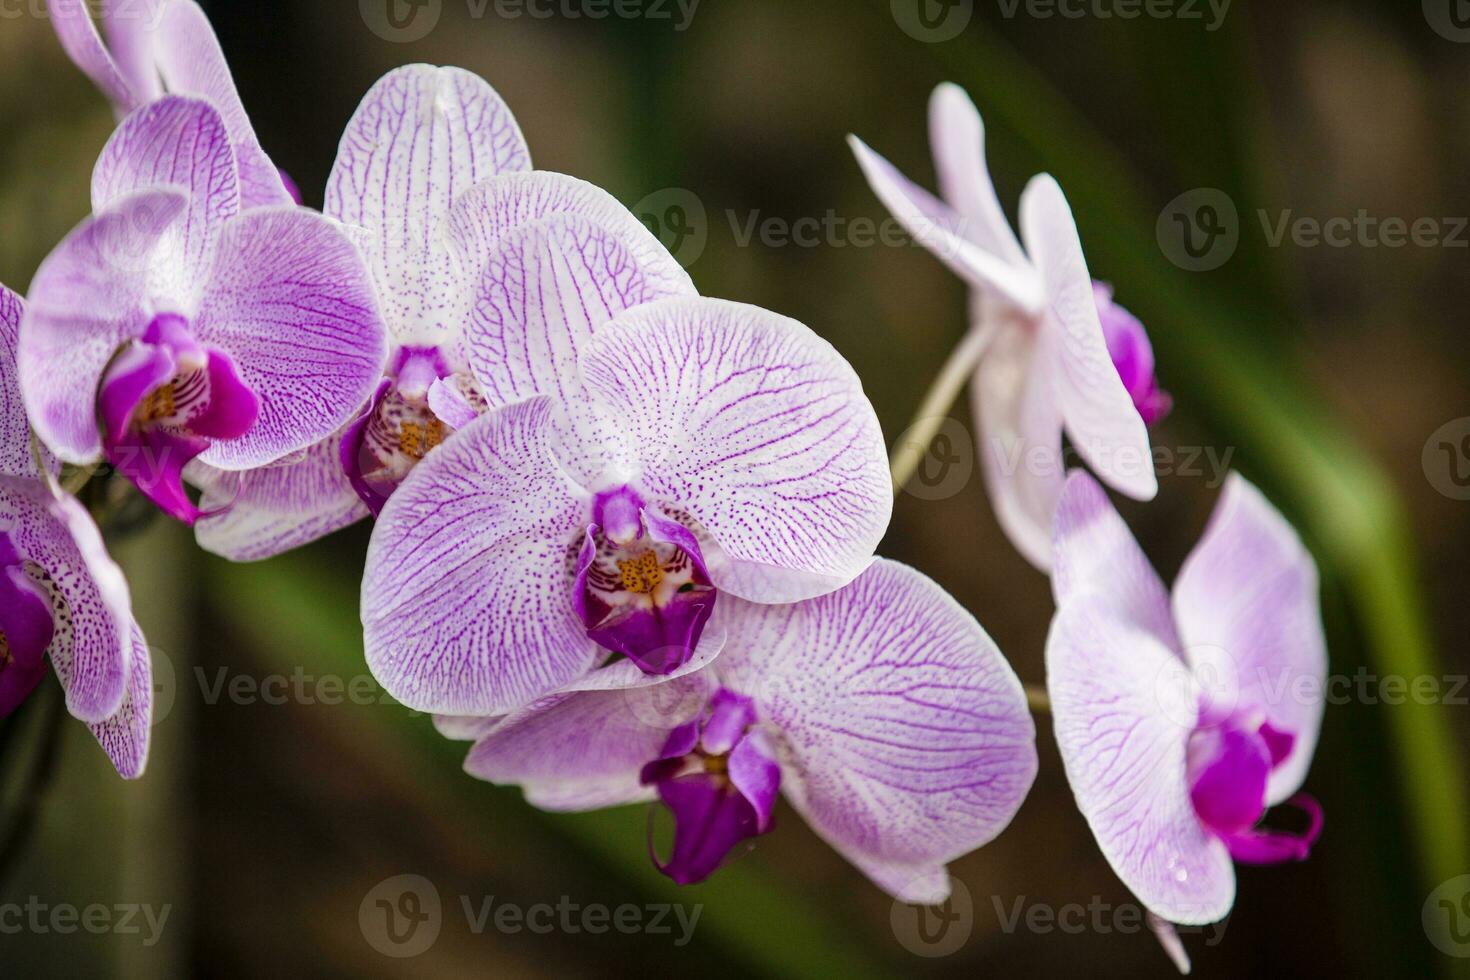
(15, 431)
(126, 735)
(83, 44)
(754, 425)
(957, 138)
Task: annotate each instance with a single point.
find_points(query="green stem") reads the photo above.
(934, 409)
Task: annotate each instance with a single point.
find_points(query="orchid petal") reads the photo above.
(490, 209)
(1124, 707)
(957, 137)
(467, 596)
(907, 738)
(83, 44)
(754, 425)
(1101, 419)
(15, 430)
(947, 234)
(1249, 588)
(290, 302)
(181, 142)
(90, 296)
(421, 137)
(126, 734)
(267, 511)
(128, 26)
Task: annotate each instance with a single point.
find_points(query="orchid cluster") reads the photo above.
(625, 535)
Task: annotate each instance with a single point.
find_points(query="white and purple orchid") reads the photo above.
(147, 48)
(1060, 355)
(882, 712)
(172, 326)
(432, 172)
(1182, 718)
(61, 597)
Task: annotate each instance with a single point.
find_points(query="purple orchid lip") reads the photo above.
(26, 629)
(720, 780)
(642, 589)
(162, 402)
(1133, 356)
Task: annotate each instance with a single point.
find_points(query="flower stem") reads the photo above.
(1037, 699)
(953, 377)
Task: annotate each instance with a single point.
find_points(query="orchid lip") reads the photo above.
(163, 401)
(26, 629)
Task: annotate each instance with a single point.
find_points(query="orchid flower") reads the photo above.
(431, 172)
(1181, 719)
(158, 46)
(1058, 354)
(61, 596)
(652, 452)
(170, 326)
(883, 712)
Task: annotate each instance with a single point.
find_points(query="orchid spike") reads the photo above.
(1061, 356)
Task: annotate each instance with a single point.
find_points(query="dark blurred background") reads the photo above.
(1325, 372)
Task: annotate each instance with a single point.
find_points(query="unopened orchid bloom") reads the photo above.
(171, 326)
(61, 597)
(149, 47)
(1059, 355)
(432, 171)
(882, 712)
(1183, 718)
(652, 454)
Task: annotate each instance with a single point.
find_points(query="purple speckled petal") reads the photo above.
(586, 750)
(546, 289)
(485, 212)
(290, 302)
(1123, 705)
(91, 295)
(948, 234)
(264, 512)
(957, 137)
(15, 431)
(1020, 442)
(421, 137)
(125, 735)
(91, 650)
(83, 44)
(189, 56)
(467, 596)
(754, 425)
(1096, 555)
(1249, 588)
(1103, 424)
(907, 738)
(180, 142)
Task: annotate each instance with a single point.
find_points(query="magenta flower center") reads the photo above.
(26, 629)
(1133, 356)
